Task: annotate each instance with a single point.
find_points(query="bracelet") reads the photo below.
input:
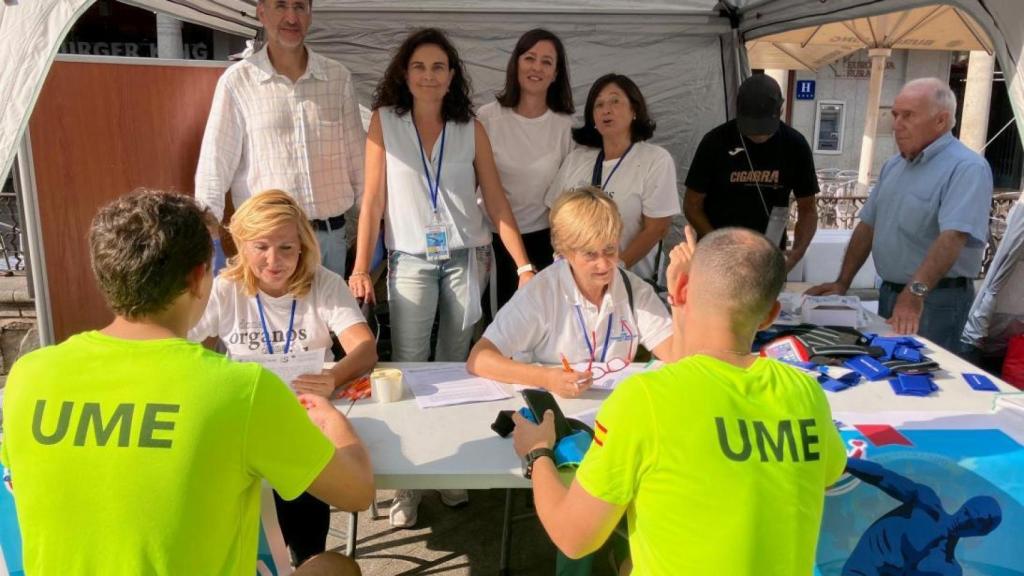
(359, 274)
(526, 268)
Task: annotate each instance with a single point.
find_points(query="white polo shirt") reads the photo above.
(644, 185)
(233, 316)
(546, 318)
(528, 153)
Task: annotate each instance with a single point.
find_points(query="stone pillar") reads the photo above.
(977, 97)
(867, 148)
(782, 77)
(168, 37)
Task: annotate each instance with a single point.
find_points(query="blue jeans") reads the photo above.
(420, 290)
(944, 315)
(333, 249)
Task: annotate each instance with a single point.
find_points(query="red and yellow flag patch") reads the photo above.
(600, 433)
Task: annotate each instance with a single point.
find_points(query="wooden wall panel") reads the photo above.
(98, 131)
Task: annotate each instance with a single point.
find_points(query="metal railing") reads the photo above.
(12, 259)
(839, 204)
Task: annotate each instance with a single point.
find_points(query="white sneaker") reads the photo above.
(404, 508)
(454, 498)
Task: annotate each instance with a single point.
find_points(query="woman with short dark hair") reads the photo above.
(529, 127)
(614, 155)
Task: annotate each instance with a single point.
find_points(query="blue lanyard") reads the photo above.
(433, 185)
(266, 333)
(586, 340)
(595, 179)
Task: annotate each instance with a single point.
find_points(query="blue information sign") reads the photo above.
(805, 89)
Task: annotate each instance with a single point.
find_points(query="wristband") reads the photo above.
(358, 274)
(526, 268)
(532, 457)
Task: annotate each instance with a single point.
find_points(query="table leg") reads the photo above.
(350, 537)
(506, 534)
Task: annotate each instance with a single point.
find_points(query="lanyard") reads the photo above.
(595, 178)
(266, 333)
(607, 335)
(433, 185)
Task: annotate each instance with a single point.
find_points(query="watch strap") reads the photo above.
(526, 268)
(534, 455)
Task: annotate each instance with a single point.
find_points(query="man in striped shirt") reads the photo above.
(286, 118)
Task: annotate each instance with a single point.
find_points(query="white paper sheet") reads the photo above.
(289, 366)
(450, 385)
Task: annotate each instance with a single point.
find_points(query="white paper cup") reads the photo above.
(386, 384)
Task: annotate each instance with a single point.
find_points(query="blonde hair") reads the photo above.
(259, 216)
(583, 218)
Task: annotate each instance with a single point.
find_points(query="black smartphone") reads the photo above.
(540, 401)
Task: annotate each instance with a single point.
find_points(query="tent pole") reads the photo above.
(867, 146)
(32, 235)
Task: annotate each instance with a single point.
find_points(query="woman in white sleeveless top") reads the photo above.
(530, 130)
(425, 157)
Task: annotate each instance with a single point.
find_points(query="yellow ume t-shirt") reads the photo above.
(146, 457)
(723, 470)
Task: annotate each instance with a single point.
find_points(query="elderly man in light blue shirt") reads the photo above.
(926, 222)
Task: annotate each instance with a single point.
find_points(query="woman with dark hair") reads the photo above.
(529, 127)
(425, 158)
(614, 155)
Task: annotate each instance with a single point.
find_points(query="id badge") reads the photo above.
(777, 224)
(437, 242)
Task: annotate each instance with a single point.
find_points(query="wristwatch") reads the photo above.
(526, 268)
(532, 456)
(919, 289)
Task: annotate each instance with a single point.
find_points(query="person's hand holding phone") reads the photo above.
(528, 436)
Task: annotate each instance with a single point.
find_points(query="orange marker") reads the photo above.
(565, 363)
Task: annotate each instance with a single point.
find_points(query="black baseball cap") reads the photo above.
(758, 105)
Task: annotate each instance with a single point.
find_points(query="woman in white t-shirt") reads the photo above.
(613, 154)
(530, 130)
(583, 309)
(274, 297)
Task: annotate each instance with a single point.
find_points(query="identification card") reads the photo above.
(437, 243)
(777, 224)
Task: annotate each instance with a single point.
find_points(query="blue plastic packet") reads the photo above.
(981, 382)
(908, 353)
(867, 367)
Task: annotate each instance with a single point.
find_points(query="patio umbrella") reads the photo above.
(810, 48)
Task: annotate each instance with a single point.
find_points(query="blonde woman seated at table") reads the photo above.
(577, 308)
(274, 297)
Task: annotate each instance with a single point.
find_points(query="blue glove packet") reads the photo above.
(981, 383)
(845, 381)
(913, 385)
(867, 367)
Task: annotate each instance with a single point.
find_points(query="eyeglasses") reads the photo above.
(612, 366)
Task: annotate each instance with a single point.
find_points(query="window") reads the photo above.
(828, 127)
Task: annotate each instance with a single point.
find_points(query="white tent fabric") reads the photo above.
(998, 310)
(676, 60)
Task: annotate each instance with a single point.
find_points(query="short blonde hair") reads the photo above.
(583, 218)
(259, 216)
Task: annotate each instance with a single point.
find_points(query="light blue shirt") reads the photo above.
(946, 187)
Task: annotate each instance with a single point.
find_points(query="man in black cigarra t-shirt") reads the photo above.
(744, 170)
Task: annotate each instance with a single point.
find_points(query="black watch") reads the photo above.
(532, 456)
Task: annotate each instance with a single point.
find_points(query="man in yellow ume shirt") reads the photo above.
(720, 461)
